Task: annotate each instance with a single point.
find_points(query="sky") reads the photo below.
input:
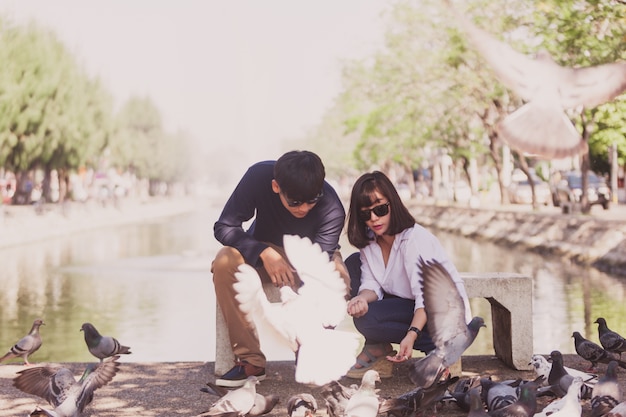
(241, 74)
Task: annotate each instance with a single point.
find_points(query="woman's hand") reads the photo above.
(358, 306)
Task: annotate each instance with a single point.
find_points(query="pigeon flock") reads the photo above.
(55, 383)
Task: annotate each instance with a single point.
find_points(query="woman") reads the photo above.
(387, 303)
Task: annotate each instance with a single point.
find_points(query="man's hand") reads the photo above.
(277, 267)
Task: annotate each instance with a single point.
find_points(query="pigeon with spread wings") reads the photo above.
(305, 319)
(450, 333)
(57, 385)
(541, 126)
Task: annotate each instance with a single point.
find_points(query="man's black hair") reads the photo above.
(300, 175)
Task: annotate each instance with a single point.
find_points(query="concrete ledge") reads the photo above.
(511, 299)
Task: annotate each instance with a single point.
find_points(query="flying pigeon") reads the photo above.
(235, 403)
(263, 404)
(58, 386)
(304, 320)
(610, 340)
(336, 397)
(542, 367)
(525, 406)
(102, 346)
(618, 411)
(301, 405)
(569, 405)
(417, 400)
(365, 402)
(559, 380)
(593, 352)
(607, 393)
(446, 324)
(541, 126)
(27, 345)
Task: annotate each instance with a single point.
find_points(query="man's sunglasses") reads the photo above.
(297, 203)
(380, 211)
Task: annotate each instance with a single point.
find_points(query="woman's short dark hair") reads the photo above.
(300, 175)
(363, 196)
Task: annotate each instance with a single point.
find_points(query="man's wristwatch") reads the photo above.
(416, 330)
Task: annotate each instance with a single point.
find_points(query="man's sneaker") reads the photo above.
(238, 374)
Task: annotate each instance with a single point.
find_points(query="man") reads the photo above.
(287, 196)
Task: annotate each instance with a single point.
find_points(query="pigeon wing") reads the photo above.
(323, 287)
(258, 310)
(326, 356)
(444, 305)
(48, 382)
(592, 86)
(94, 377)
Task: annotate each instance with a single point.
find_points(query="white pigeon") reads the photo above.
(451, 335)
(263, 404)
(542, 367)
(304, 320)
(58, 386)
(567, 406)
(364, 402)
(234, 403)
(27, 345)
(541, 126)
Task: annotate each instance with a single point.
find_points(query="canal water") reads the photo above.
(149, 285)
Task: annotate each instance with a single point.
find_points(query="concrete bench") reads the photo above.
(511, 299)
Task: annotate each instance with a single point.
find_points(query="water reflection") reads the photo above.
(149, 286)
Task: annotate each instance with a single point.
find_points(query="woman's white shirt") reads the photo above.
(401, 277)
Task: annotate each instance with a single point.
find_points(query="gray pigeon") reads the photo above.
(102, 346)
(559, 379)
(476, 405)
(58, 386)
(446, 324)
(526, 404)
(460, 393)
(418, 400)
(263, 404)
(593, 352)
(301, 405)
(541, 126)
(498, 395)
(235, 403)
(27, 345)
(607, 392)
(365, 402)
(610, 340)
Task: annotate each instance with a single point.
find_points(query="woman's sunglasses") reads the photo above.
(380, 211)
(297, 203)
